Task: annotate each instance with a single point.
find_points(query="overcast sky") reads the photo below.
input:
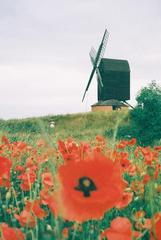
(44, 51)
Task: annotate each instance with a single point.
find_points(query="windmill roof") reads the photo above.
(110, 102)
(108, 64)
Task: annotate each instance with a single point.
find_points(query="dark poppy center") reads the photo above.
(86, 185)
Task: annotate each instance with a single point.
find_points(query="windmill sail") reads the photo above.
(102, 47)
(90, 79)
(92, 55)
(97, 59)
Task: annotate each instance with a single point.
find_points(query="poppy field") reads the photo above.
(79, 190)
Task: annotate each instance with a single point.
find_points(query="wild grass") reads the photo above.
(82, 126)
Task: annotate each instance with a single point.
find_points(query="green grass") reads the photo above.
(82, 126)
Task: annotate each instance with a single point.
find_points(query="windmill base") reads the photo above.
(109, 105)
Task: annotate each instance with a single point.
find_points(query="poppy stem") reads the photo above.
(75, 230)
(143, 234)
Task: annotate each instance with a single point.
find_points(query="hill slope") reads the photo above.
(82, 126)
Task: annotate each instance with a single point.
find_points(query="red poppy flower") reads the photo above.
(45, 196)
(120, 229)
(5, 168)
(147, 223)
(124, 143)
(156, 229)
(132, 142)
(100, 143)
(20, 145)
(41, 143)
(9, 233)
(125, 163)
(139, 214)
(19, 168)
(157, 148)
(32, 209)
(126, 199)
(65, 233)
(28, 178)
(26, 218)
(131, 169)
(34, 206)
(122, 158)
(89, 188)
(5, 140)
(150, 156)
(136, 152)
(156, 171)
(100, 139)
(138, 187)
(70, 150)
(53, 204)
(143, 224)
(47, 179)
(146, 178)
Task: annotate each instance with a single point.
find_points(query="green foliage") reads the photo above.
(145, 118)
(127, 131)
(147, 115)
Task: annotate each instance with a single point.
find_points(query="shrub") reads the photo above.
(147, 115)
(145, 118)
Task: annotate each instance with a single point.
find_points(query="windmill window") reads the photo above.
(116, 107)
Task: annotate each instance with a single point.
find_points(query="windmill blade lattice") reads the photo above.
(103, 46)
(92, 55)
(96, 59)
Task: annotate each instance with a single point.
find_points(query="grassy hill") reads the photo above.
(82, 126)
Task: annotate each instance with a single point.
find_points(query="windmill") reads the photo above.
(113, 76)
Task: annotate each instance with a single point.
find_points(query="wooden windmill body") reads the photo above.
(113, 77)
